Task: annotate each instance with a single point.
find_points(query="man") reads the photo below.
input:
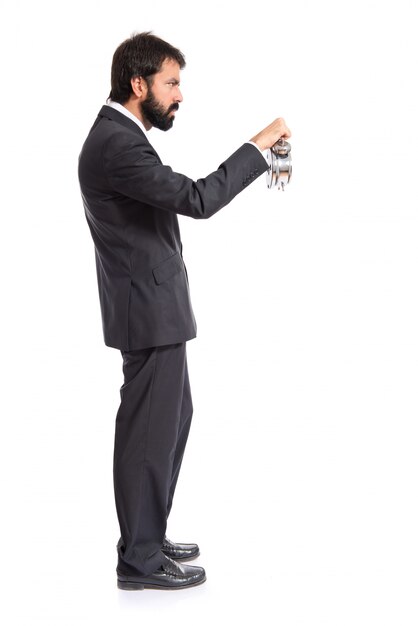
(131, 202)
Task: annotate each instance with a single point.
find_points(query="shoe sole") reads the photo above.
(133, 586)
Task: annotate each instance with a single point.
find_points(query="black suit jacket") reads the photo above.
(131, 201)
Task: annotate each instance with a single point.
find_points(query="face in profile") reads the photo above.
(163, 96)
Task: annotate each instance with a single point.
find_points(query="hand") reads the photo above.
(271, 134)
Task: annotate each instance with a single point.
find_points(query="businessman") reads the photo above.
(131, 201)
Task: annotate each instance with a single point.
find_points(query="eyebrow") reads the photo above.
(173, 80)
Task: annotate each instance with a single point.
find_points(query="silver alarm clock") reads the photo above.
(280, 165)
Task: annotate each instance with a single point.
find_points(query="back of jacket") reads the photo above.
(131, 201)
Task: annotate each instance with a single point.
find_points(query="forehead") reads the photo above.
(169, 69)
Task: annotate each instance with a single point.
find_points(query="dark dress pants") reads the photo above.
(152, 427)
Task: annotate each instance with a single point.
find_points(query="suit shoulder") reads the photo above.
(107, 128)
(110, 139)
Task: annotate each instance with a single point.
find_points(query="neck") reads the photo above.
(134, 108)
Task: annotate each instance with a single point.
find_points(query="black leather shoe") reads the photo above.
(180, 551)
(171, 575)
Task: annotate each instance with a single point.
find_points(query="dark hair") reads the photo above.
(141, 55)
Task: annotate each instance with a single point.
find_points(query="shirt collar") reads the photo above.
(119, 107)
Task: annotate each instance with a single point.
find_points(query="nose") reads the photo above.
(179, 96)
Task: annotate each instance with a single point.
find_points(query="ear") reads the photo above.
(139, 87)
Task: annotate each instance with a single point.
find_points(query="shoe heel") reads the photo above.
(130, 586)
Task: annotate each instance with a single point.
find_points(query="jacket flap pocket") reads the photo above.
(168, 268)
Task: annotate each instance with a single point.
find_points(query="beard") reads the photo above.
(155, 113)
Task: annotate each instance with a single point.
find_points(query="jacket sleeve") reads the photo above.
(133, 169)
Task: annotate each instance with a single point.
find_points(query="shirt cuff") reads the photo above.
(258, 148)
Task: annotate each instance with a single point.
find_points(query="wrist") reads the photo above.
(258, 143)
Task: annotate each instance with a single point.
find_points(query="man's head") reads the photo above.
(145, 78)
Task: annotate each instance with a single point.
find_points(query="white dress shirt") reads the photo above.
(119, 107)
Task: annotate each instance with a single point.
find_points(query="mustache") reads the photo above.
(173, 108)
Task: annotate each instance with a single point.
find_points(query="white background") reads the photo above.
(300, 476)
